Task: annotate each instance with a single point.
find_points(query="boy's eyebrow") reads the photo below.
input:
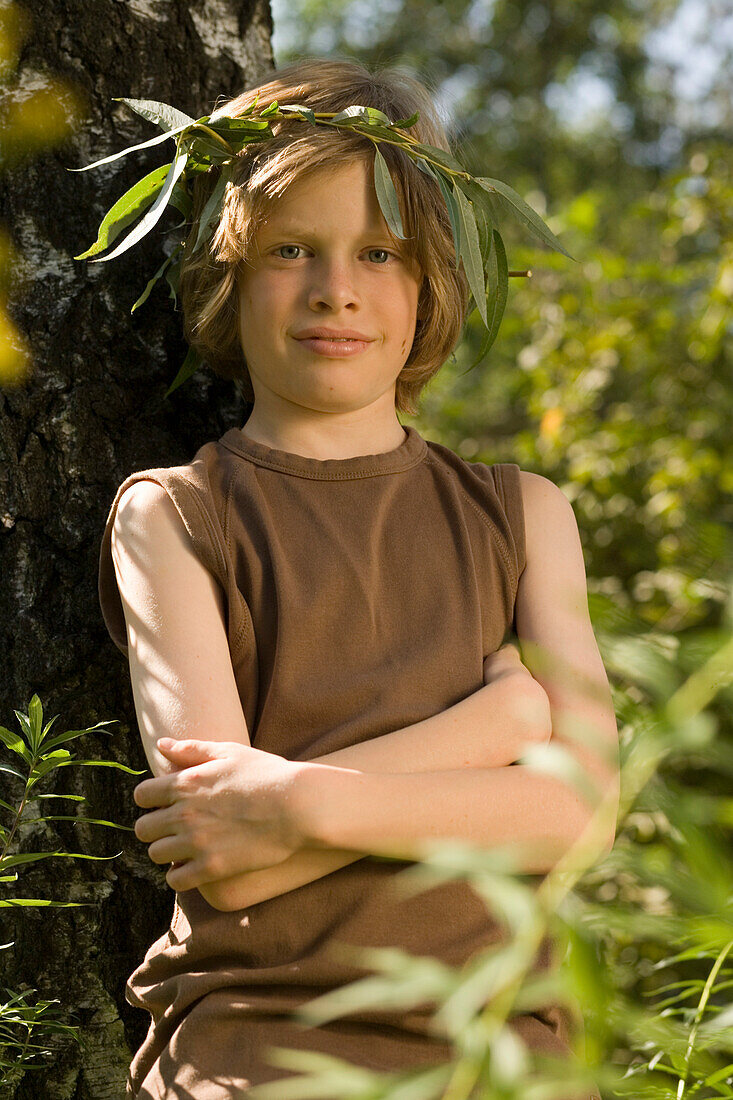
(294, 230)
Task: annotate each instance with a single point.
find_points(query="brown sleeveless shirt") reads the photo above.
(362, 595)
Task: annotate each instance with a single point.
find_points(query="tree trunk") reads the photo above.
(92, 410)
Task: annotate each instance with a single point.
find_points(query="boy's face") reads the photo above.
(324, 257)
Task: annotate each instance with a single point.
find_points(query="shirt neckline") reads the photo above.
(408, 453)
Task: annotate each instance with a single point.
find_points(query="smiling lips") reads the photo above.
(333, 342)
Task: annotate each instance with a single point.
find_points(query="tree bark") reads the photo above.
(92, 411)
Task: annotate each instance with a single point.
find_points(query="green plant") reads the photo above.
(22, 1025)
(646, 932)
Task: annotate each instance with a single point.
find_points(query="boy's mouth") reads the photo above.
(334, 347)
(333, 342)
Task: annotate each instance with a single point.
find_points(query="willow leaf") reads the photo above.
(188, 367)
(356, 113)
(132, 149)
(498, 284)
(499, 287)
(173, 278)
(181, 199)
(212, 209)
(405, 123)
(471, 252)
(201, 145)
(151, 283)
(386, 133)
(424, 167)
(439, 156)
(153, 214)
(525, 213)
(236, 126)
(387, 195)
(482, 199)
(296, 108)
(127, 208)
(452, 205)
(162, 114)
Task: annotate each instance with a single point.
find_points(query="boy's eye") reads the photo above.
(383, 252)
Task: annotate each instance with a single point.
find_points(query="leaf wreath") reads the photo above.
(473, 202)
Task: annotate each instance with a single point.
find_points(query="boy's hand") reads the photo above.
(504, 661)
(224, 810)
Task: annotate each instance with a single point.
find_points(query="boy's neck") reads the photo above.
(327, 442)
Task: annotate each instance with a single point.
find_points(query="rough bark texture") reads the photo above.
(91, 412)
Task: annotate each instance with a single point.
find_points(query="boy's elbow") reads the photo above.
(531, 708)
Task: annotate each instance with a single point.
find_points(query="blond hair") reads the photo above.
(264, 170)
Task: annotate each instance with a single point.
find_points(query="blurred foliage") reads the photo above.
(36, 113)
(613, 379)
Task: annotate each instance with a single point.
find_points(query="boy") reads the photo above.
(314, 610)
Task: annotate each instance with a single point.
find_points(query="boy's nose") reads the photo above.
(332, 285)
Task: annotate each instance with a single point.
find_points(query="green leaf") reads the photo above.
(202, 146)
(439, 156)
(452, 205)
(162, 114)
(499, 287)
(84, 820)
(296, 108)
(212, 210)
(67, 735)
(232, 128)
(377, 130)
(132, 149)
(471, 252)
(127, 208)
(33, 857)
(405, 123)
(425, 167)
(35, 902)
(497, 292)
(151, 283)
(189, 366)
(7, 770)
(357, 113)
(173, 277)
(387, 195)
(272, 109)
(181, 198)
(15, 743)
(153, 214)
(525, 213)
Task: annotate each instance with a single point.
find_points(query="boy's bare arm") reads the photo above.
(489, 728)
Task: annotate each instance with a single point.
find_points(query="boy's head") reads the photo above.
(210, 280)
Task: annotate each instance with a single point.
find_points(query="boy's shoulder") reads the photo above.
(486, 471)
